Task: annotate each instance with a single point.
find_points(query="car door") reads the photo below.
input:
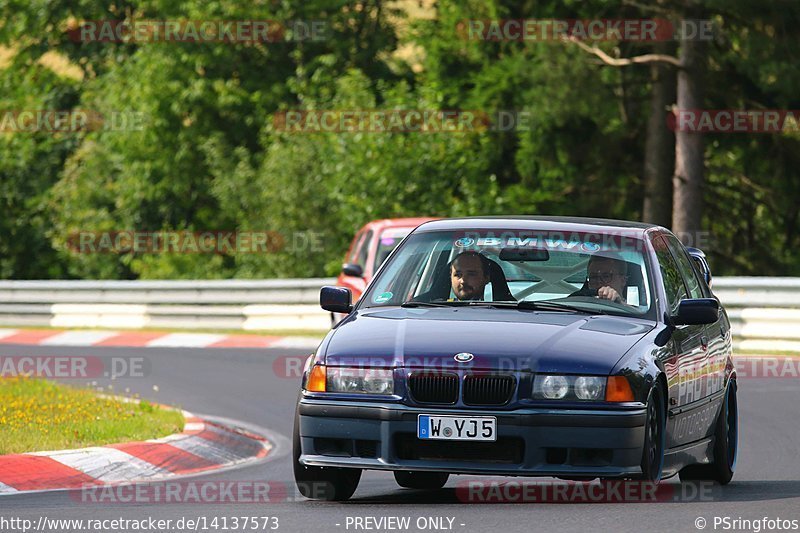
(688, 360)
(711, 379)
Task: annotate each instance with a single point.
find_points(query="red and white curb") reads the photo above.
(203, 446)
(150, 339)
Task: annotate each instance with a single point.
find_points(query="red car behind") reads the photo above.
(371, 246)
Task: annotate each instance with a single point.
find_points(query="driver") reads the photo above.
(469, 275)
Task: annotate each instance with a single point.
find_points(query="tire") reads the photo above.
(726, 445)
(318, 483)
(421, 480)
(654, 435)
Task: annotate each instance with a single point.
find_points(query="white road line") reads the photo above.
(106, 464)
(229, 433)
(185, 340)
(78, 338)
(209, 450)
(169, 439)
(303, 343)
(7, 332)
(5, 489)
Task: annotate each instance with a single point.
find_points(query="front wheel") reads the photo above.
(317, 483)
(726, 445)
(654, 436)
(421, 480)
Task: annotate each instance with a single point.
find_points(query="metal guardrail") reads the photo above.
(291, 304)
(765, 312)
(289, 291)
(758, 292)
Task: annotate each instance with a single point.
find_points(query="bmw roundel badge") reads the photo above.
(463, 357)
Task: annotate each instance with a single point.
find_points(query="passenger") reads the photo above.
(606, 278)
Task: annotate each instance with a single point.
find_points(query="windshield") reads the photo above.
(584, 272)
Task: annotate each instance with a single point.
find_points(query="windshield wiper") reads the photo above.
(523, 304)
(453, 303)
(412, 303)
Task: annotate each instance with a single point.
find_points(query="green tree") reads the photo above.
(29, 165)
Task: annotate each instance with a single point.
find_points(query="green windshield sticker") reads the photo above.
(383, 297)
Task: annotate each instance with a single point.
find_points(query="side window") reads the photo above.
(686, 268)
(359, 240)
(363, 250)
(435, 269)
(387, 242)
(398, 281)
(698, 271)
(673, 281)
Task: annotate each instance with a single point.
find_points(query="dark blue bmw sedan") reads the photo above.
(522, 346)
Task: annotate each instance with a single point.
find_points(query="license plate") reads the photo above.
(482, 428)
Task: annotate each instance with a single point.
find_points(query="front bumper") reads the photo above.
(531, 442)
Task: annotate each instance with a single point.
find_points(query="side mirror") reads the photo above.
(697, 311)
(699, 258)
(353, 269)
(336, 299)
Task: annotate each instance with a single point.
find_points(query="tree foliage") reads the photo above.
(209, 156)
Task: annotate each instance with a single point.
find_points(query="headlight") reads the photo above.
(360, 380)
(582, 388)
(553, 387)
(590, 388)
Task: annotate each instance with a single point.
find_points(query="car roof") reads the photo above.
(396, 223)
(542, 223)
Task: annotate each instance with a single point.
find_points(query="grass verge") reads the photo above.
(39, 415)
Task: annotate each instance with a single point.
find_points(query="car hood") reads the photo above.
(498, 339)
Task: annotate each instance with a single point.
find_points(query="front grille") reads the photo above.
(507, 450)
(488, 390)
(433, 387)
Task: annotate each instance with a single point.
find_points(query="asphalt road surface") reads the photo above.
(243, 384)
